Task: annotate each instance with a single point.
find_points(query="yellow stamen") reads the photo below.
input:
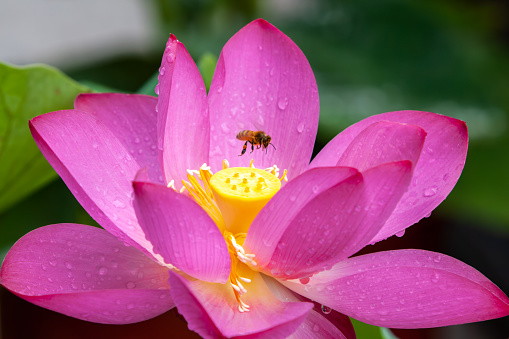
(232, 198)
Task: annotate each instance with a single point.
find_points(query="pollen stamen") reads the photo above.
(232, 198)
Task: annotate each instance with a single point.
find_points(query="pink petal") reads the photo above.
(317, 324)
(182, 232)
(407, 289)
(132, 119)
(271, 223)
(339, 222)
(437, 171)
(264, 82)
(383, 142)
(86, 273)
(211, 310)
(96, 167)
(183, 119)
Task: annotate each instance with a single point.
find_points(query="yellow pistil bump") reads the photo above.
(242, 196)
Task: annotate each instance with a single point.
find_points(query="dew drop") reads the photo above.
(304, 281)
(161, 70)
(282, 103)
(400, 233)
(170, 57)
(300, 128)
(130, 284)
(326, 309)
(68, 265)
(103, 271)
(431, 191)
(53, 263)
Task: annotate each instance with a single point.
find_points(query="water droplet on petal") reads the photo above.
(282, 103)
(400, 233)
(431, 191)
(300, 128)
(130, 284)
(103, 271)
(326, 309)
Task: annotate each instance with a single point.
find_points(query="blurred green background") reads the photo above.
(369, 57)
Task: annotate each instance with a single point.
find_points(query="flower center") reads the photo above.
(232, 198)
(240, 193)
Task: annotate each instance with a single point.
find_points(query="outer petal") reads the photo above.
(339, 222)
(183, 119)
(86, 273)
(132, 118)
(271, 223)
(182, 232)
(264, 82)
(407, 289)
(96, 167)
(437, 171)
(383, 142)
(212, 310)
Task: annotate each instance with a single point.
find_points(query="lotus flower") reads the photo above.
(243, 251)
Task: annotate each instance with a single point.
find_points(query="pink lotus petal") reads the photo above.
(407, 289)
(383, 142)
(86, 273)
(264, 82)
(132, 119)
(318, 327)
(437, 171)
(183, 119)
(317, 324)
(96, 167)
(271, 223)
(212, 310)
(182, 232)
(339, 222)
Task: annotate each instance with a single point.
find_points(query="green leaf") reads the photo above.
(207, 66)
(363, 330)
(149, 87)
(26, 92)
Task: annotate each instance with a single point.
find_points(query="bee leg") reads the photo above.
(243, 149)
(252, 146)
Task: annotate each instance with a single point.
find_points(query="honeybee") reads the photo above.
(258, 138)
